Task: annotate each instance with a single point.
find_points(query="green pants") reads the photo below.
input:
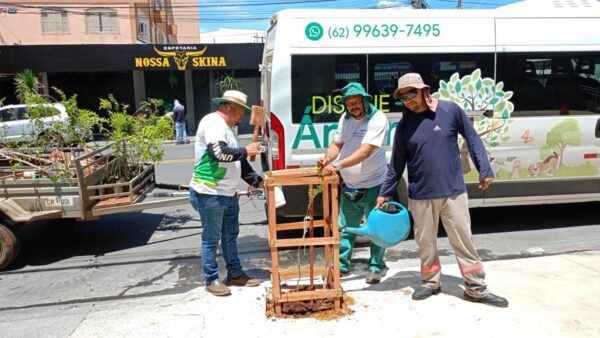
(351, 215)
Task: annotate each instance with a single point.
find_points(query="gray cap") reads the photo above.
(409, 80)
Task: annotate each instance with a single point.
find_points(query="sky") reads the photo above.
(255, 14)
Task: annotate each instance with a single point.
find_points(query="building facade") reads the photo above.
(66, 22)
(185, 72)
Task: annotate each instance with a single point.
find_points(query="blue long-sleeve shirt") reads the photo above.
(427, 144)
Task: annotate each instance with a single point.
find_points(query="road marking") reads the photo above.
(179, 160)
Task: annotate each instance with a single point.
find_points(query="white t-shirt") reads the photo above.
(211, 176)
(352, 134)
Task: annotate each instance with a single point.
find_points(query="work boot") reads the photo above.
(374, 277)
(489, 299)
(424, 292)
(242, 280)
(217, 288)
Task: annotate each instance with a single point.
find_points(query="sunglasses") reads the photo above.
(408, 95)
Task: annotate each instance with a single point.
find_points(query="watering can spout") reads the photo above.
(385, 228)
(362, 231)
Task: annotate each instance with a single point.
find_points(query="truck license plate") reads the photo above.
(58, 202)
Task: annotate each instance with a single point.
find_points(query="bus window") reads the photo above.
(384, 71)
(383, 80)
(385, 76)
(441, 70)
(587, 71)
(317, 81)
(546, 84)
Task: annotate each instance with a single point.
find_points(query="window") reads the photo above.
(161, 37)
(8, 115)
(54, 21)
(551, 83)
(317, 82)
(142, 28)
(101, 20)
(159, 4)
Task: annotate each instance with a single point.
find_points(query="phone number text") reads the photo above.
(384, 31)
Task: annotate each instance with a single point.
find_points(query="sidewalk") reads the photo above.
(550, 296)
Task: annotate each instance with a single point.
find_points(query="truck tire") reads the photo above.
(9, 246)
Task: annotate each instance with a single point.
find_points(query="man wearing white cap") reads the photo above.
(426, 142)
(218, 167)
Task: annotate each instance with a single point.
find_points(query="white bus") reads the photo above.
(533, 67)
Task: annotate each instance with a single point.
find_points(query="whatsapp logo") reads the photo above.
(314, 31)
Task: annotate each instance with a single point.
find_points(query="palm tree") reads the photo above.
(227, 82)
(26, 84)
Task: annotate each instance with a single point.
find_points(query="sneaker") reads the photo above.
(217, 288)
(424, 292)
(242, 280)
(374, 277)
(344, 273)
(489, 299)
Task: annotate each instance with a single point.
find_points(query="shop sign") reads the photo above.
(180, 56)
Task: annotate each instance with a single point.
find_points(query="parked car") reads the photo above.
(16, 126)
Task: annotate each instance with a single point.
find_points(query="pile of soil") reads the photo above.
(321, 309)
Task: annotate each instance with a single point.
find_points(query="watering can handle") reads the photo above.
(396, 204)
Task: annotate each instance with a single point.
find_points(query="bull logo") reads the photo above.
(181, 57)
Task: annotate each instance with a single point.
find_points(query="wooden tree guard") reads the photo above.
(330, 271)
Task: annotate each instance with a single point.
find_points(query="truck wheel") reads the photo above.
(9, 246)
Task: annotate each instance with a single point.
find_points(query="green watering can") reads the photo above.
(384, 227)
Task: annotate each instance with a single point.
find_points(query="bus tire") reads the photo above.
(9, 246)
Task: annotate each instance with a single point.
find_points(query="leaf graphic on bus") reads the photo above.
(478, 84)
(457, 86)
(473, 92)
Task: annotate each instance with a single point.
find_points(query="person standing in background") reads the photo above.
(179, 117)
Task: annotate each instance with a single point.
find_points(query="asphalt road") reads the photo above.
(157, 251)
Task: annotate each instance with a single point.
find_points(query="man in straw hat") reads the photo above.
(218, 167)
(360, 143)
(426, 142)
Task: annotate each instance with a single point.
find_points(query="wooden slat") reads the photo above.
(299, 225)
(145, 176)
(293, 273)
(300, 172)
(272, 219)
(111, 202)
(327, 220)
(333, 179)
(306, 295)
(293, 242)
(92, 153)
(110, 196)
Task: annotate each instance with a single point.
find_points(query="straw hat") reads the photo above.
(236, 97)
